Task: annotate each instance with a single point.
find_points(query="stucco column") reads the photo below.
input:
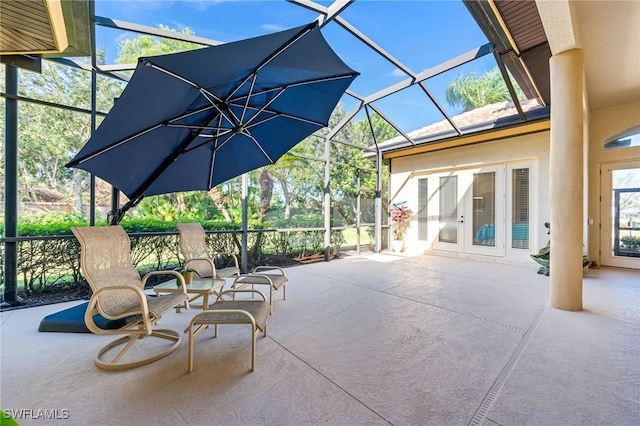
(566, 180)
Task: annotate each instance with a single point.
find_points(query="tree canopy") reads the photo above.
(470, 91)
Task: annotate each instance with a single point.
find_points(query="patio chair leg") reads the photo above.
(128, 342)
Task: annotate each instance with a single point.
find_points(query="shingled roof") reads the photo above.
(488, 117)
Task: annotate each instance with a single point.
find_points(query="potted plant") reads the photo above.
(187, 273)
(400, 221)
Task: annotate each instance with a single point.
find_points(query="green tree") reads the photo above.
(382, 129)
(48, 136)
(470, 91)
(129, 50)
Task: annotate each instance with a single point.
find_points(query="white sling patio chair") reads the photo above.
(197, 257)
(118, 293)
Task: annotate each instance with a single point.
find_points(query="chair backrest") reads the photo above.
(193, 245)
(106, 261)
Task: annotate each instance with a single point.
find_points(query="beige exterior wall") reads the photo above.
(602, 124)
(605, 123)
(405, 172)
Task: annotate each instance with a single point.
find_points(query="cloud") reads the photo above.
(272, 27)
(203, 5)
(145, 5)
(398, 73)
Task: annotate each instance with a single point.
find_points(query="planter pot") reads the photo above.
(188, 277)
(397, 245)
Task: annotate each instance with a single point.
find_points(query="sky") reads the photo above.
(420, 33)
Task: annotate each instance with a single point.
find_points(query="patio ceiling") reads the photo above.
(48, 28)
(609, 34)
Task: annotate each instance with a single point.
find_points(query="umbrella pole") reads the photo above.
(115, 216)
(245, 209)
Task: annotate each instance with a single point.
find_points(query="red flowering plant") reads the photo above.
(400, 220)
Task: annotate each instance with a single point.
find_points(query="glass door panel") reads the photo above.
(620, 215)
(626, 225)
(520, 208)
(448, 215)
(483, 230)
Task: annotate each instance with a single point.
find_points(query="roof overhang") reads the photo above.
(45, 28)
(488, 135)
(515, 30)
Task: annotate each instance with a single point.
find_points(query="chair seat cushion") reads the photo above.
(227, 272)
(258, 309)
(161, 304)
(278, 280)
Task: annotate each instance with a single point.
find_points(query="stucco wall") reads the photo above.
(605, 123)
(534, 146)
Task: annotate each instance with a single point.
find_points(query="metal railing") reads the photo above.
(51, 264)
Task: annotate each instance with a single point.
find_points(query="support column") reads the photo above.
(566, 180)
(327, 200)
(10, 293)
(378, 203)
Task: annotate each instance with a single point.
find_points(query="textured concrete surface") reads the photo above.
(375, 339)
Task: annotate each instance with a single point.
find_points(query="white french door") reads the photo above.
(620, 207)
(485, 210)
(468, 208)
(449, 204)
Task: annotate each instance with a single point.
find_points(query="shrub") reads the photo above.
(631, 242)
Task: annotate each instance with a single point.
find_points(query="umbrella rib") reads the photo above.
(213, 158)
(264, 107)
(264, 120)
(113, 145)
(274, 55)
(140, 133)
(195, 126)
(189, 114)
(246, 133)
(291, 42)
(289, 85)
(282, 114)
(148, 63)
(204, 92)
(246, 103)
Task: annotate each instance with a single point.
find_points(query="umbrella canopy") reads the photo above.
(192, 120)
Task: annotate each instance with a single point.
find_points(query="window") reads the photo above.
(630, 137)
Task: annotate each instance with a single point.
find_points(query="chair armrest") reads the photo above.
(211, 264)
(267, 268)
(176, 274)
(233, 255)
(240, 291)
(144, 307)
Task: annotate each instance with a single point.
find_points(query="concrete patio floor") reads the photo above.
(373, 339)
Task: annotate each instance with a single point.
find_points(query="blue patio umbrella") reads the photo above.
(192, 120)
